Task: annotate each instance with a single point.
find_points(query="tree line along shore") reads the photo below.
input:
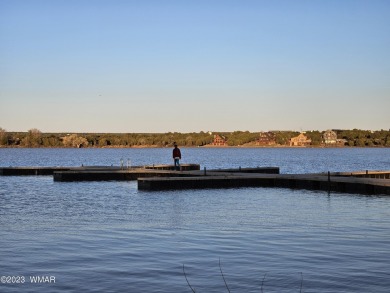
(34, 138)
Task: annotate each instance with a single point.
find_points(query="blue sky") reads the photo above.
(160, 66)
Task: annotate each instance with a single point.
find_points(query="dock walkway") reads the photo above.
(164, 177)
(304, 181)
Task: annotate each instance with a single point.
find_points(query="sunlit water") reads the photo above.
(110, 237)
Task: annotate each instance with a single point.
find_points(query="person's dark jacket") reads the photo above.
(176, 153)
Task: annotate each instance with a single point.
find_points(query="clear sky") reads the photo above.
(160, 66)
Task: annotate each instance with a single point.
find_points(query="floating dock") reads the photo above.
(29, 171)
(83, 170)
(309, 181)
(164, 177)
(187, 170)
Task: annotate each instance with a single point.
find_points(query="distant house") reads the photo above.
(219, 140)
(329, 137)
(266, 138)
(300, 140)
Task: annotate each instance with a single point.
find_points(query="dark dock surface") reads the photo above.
(189, 170)
(305, 181)
(164, 177)
(29, 171)
(82, 170)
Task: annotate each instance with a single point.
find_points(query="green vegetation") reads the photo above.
(315, 136)
(238, 138)
(365, 138)
(35, 138)
(283, 137)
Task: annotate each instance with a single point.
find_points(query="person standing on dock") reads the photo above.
(176, 154)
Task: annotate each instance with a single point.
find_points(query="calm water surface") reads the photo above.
(110, 237)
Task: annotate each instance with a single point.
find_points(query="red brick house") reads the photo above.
(219, 140)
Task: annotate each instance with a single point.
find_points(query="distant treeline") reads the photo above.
(36, 138)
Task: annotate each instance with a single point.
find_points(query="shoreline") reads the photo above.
(205, 146)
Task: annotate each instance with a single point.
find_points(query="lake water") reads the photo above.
(110, 237)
